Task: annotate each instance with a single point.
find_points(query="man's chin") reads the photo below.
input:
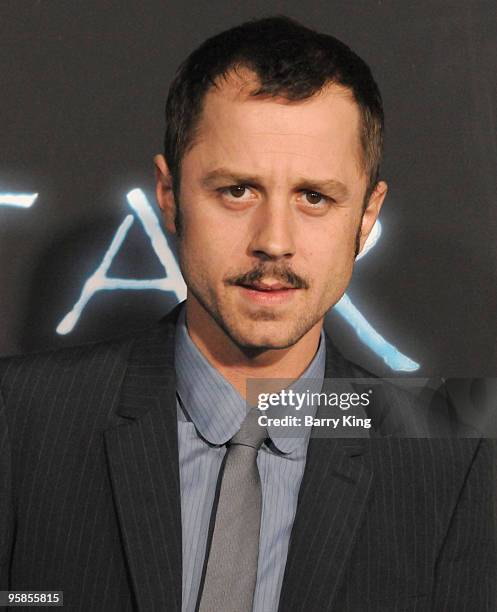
(266, 345)
(260, 340)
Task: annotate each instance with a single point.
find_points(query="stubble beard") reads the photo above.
(303, 325)
(232, 326)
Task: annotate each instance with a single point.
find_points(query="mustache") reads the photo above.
(283, 275)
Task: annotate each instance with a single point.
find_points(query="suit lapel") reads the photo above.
(142, 454)
(332, 499)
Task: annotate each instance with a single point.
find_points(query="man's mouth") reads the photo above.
(268, 293)
(260, 286)
(271, 291)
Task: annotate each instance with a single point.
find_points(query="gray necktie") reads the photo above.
(231, 571)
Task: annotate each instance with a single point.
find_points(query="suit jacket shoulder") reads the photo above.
(40, 389)
(394, 409)
(85, 378)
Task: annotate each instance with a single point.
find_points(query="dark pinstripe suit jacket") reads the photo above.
(90, 499)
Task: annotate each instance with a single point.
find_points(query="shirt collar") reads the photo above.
(217, 409)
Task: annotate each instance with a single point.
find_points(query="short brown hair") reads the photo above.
(290, 60)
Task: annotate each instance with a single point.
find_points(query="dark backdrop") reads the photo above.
(83, 86)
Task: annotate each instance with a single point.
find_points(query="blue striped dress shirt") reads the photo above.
(210, 412)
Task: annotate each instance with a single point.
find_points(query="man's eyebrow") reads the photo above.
(302, 183)
(225, 174)
(333, 186)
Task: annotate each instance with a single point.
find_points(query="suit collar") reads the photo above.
(150, 367)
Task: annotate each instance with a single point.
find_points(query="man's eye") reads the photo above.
(237, 192)
(315, 198)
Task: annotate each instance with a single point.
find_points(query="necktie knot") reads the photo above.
(250, 433)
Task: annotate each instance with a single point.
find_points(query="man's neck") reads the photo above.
(237, 365)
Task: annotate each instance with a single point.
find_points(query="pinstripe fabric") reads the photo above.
(216, 410)
(90, 494)
(6, 506)
(65, 533)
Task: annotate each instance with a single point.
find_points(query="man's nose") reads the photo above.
(273, 231)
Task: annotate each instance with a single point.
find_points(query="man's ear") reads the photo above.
(164, 192)
(372, 211)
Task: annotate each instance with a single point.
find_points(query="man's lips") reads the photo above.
(260, 286)
(268, 294)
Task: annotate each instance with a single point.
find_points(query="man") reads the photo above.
(130, 477)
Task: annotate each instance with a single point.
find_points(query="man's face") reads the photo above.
(271, 204)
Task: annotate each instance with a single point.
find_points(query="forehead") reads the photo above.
(322, 130)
